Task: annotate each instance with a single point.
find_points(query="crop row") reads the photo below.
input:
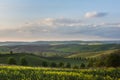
(39, 73)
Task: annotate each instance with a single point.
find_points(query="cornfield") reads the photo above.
(39, 73)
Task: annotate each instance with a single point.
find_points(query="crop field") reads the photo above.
(39, 73)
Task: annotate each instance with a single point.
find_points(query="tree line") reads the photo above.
(24, 62)
(12, 61)
(106, 60)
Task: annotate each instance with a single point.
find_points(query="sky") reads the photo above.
(46, 20)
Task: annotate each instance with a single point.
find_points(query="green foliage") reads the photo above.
(85, 48)
(34, 60)
(62, 50)
(100, 63)
(82, 65)
(68, 65)
(23, 61)
(44, 64)
(11, 52)
(11, 61)
(113, 60)
(108, 60)
(75, 67)
(53, 64)
(37, 73)
(61, 64)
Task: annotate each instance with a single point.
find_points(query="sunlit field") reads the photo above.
(39, 73)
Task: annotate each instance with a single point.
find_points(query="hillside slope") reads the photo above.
(34, 60)
(60, 50)
(90, 54)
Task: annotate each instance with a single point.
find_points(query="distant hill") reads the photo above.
(53, 51)
(8, 43)
(91, 54)
(63, 50)
(34, 60)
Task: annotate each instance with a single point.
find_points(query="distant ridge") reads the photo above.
(10, 43)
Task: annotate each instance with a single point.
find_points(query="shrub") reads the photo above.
(23, 61)
(82, 65)
(68, 65)
(53, 64)
(61, 64)
(113, 60)
(44, 64)
(11, 61)
(75, 67)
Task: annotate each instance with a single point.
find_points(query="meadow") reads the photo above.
(40, 73)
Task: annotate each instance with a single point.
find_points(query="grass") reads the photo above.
(90, 54)
(39, 73)
(34, 60)
(85, 48)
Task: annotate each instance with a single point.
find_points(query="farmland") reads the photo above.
(61, 50)
(34, 60)
(39, 73)
(60, 62)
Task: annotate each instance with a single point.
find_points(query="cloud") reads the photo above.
(62, 28)
(95, 14)
(117, 24)
(106, 24)
(59, 22)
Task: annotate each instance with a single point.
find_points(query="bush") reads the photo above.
(11, 61)
(75, 67)
(44, 64)
(68, 65)
(23, 61)
(82, 65)
(109, 60)
(61, 64)
(53, 64)
(113, 60)
(100, 63)
(11, 52)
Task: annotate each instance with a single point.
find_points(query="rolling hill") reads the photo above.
(12, 43)
(64, 50)
(34, 60)
(35, 54)
(91, 54)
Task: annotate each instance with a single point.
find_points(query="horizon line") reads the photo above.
(54, 40)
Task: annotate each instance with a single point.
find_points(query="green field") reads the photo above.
(75, 55)
(91, 54)
(85, 48)
(63, 50)
(35, 55)
(34, 60)
(37, 73)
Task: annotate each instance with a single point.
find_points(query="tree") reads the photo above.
(100, 63)
(109, 60)
(61, 64)
(11, 52)
(11, 61)
(75, 67)
(23, 61)
(82, 65)
(53, 64)
(68, 65)
(113, 60)
(44, 64)
(91, 62)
